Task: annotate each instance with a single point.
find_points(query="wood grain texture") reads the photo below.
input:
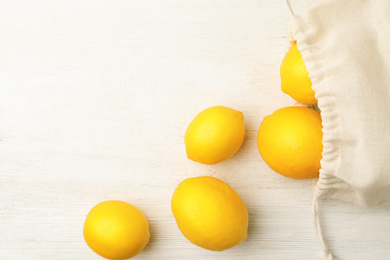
(95, 98)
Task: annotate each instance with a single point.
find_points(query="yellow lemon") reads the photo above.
(290, 142)
(116, 230)
(295, 78)
(214, 135)
(209, 213)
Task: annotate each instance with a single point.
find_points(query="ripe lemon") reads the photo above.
(295, 78)
(214, 135)
(290, 142)
(209, 213)
(116, 230)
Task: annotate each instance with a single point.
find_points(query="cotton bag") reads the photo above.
(345, 45)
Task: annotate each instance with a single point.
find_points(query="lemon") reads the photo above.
(214, 135)
(209, 213)
(116, 230)
(290, 142)
(295, 78)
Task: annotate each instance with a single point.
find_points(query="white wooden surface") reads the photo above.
(95, 98)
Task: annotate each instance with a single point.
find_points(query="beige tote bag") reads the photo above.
(345, 45)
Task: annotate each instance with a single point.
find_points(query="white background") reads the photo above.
(94, 102)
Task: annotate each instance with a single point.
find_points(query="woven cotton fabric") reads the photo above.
(345, 45)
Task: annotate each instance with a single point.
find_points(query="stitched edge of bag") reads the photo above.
(302, 33)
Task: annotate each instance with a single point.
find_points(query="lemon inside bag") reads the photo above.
(345, 45)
